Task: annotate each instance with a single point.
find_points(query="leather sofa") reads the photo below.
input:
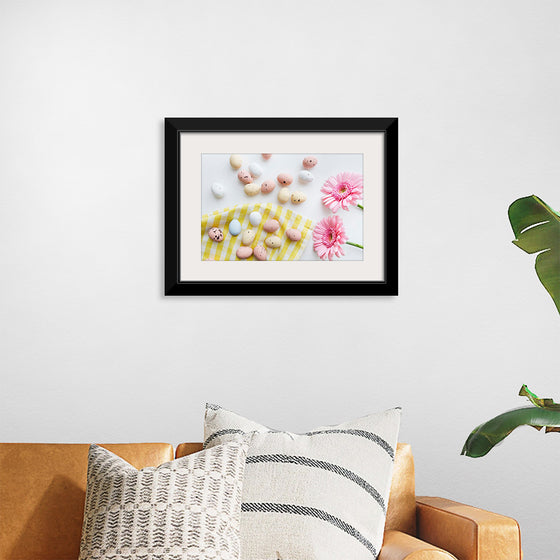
(42, 492)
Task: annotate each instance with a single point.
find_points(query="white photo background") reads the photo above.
(204, 160)
(216, 169)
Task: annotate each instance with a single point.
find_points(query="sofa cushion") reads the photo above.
(322, 494)
(401, 509)
(186, 509)
(42, 492)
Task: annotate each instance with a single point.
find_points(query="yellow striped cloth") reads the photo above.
(225, 251)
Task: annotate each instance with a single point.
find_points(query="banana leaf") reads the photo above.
(536, 227)
(544, 413)
(537, 401)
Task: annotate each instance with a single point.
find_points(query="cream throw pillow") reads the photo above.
(187, 509)
(321, 495)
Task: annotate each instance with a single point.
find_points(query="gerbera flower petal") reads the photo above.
(342, 191)
(328, 238)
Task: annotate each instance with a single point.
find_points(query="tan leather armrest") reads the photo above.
(400, 546)
(467, 532)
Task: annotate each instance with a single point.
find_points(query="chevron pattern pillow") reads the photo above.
(312, 496)
(187, 509)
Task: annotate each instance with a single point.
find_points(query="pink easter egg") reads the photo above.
(244, 176)
(309, 162)
(260, 253)
(244, 252)
(266, 156)
(270, 226)
(293, 234)
(285, 179)
(216, 234)
(267, 186)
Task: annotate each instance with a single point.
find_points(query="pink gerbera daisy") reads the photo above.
(341, 191)
(329, 237)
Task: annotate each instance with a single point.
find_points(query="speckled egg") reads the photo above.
(235, 227)
(260, 253)
(255, 218)
(298, 197)
(218, 190)
(244, 176)
(248, 237)
(273, 242)
(285, 179)
(251, 189)
(271, 226)
(216, 234)
(244, 252)
(309, 162)
(284, 195)
(293, 234)
(255, 170)
(235, 161)
(305, 176)
(266, 156)
(267, 186)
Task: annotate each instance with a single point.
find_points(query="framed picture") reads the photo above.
(314, 215)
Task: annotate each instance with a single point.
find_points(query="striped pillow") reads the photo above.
(312, 496)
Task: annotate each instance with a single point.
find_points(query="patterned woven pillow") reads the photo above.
(312, 496)
(185, 509)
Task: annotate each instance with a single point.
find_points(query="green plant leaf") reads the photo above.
(536, 227)
(483, 438)
(537, 401)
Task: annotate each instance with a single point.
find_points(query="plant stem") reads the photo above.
(360, 206)
(354, 244)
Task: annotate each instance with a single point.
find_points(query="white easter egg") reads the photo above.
(255, 218)
(255, 169)
(305, 176)
(218, 190)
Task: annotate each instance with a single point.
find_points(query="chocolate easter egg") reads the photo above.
(248, 237)
(216, 234)
(305, 176)
(251, 189)
(309, 162)
(267, 186)
(284, 195)
(293, 234)
(218, 190)
(255, 170)
(260, 253)
(271, 226)
(273, 242)
(235, 161)
(285, 179)
(234, 227)
(255, 218)
(244, 176)
(244, 252)
(298, 197)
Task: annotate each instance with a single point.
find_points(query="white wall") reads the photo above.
(92, 351)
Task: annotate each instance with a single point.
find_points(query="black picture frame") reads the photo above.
(173, 129)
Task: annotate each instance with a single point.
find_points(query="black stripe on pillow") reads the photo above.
(315, 463)
(360, 433)
(311, 512)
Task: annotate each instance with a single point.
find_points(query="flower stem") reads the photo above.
(354, 244)
(360, 206)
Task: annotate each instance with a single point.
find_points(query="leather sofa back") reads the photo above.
(401, 510)
(42, 494)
